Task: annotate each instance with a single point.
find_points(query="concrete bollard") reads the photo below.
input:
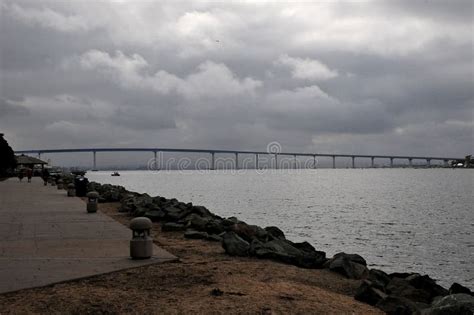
(141, 245)
(92, 200)
(71, 190)
(60, 184)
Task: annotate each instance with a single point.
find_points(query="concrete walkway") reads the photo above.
(47, 237)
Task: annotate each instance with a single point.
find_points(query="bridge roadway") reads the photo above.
(94, 151)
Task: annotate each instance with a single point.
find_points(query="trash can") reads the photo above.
(81, 186)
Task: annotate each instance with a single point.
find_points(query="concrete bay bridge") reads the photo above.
(276, 154)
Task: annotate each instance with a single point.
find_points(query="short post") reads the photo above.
(141, 245)
(71, 190)
(60, 184)
(333, 161)
(92, 200)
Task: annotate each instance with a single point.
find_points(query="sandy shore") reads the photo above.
(204, 281)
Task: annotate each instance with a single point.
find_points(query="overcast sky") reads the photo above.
(372, 77)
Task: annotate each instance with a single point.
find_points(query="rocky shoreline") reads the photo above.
(395, 293)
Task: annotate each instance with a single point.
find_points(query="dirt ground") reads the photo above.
(204, 281)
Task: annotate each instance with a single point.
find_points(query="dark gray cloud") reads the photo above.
(8, 108)
(382, 77)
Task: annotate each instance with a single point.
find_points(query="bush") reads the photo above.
(7, 158)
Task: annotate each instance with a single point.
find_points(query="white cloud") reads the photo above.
(49, 18)
(210, 80)
(310, 69)
(214, 80)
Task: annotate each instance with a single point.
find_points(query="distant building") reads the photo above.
(23, 161)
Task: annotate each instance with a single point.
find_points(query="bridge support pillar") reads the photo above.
(94, 167)
(294, 162)
(372, 162)
(353, 162)
(39, 155)
(410, 162)
(276, 161)
(428, 162)
(256, 161)
(155, 161)
(446, 163)
(333, 161)
(314, 161)
(236, 161)
(391, 162)
(213, 161)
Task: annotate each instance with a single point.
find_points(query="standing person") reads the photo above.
(45, 176)
(29, 174)
(21, 174)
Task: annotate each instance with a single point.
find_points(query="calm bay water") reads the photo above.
(417, 220)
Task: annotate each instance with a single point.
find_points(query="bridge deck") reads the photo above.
(210, 151)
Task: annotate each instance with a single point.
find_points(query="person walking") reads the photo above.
(21, 174)
(45, 176)
(29, 174)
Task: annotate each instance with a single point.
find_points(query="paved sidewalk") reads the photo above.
(47, 237)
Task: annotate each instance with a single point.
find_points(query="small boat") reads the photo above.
(115, 174)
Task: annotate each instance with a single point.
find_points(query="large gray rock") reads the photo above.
(356, 258)
(275, 232)
(351, 266)
(427, 284)
(454, 304)
(192, 234)
(174, 213)
(227, 222)
(378, 278)
(249, 232)
(214, 226)
(368, 293)
(235, 245)
(155, 215)
(202, 211)
(196, 222)
(394, 305)
(457, 288)
(402, 288)
(285, 251)
(171, 226)
(139, 205)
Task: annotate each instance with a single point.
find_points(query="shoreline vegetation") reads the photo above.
(229, 266)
